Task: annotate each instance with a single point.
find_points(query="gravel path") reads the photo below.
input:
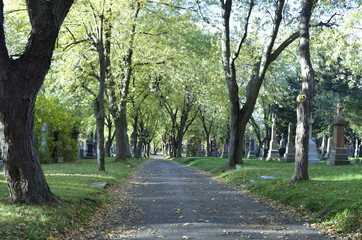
(180, 203)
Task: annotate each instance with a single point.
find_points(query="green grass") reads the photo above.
(331, 197)
(70, 182)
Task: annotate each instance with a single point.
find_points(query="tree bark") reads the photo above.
(304, 99)
(122, 150)
(20, 81)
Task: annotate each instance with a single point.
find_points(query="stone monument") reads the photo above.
(225, 150)
(273, 147)
(90, 146)
(329, 148)
(312, 147)
(338, 155)
(324, 147)
(251, 153)
(199, 150)
(282, 147)
(289, 155)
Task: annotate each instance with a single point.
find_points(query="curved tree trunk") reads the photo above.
(20, 81)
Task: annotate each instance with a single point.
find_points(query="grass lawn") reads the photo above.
(332, 196)
(70, 182)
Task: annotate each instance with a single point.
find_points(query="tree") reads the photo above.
(20, 81)
(304, 100)
(240, 115)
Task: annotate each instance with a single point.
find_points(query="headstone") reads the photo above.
(99, 184)
(338, 155)
(199, 150)
(324, 147)
(289, 155)
(263, 178)
(312, 148)
(273, 147)
(89, 146)
(282, 147)
(251, 153)
(225, 150)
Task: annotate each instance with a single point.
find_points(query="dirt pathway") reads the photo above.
(180, 203)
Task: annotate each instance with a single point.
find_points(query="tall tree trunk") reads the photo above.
(20, 81)
(304, 99)
(122, 150)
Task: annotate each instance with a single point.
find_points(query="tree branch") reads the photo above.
(283, 45)
(236, 54)
(88, 90)
(202, 16)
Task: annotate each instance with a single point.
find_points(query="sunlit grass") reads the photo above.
(332, 194)
(71, 183)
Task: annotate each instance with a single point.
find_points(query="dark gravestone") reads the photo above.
(338, 155)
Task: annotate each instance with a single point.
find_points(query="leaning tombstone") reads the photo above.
(338, 155)
(289, 155)
(312, 147)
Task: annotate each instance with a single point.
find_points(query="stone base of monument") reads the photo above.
(289, 158)
(251, 154)
(338, 159)
(273, 154)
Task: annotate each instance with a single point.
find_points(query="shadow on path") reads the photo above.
(180, 203)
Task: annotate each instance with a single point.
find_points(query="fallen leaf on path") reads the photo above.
(185, 237)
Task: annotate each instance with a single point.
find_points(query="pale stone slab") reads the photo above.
(99, 184)
(263, 178)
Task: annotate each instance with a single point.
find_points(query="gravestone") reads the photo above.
(213, 147)
(282, 146)
(273, 147)
(289, 155)
(338, 155)
(199, 150)
(225, 150)
(312, 148)
(251, 153)
(89, 146)
(324, 147)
